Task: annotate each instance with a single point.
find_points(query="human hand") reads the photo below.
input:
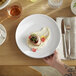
(56, 63)
(53, 60)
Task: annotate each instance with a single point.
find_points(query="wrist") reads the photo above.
(60, 67)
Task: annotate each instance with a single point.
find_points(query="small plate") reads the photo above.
(4, 4)
(3, 35)
(34, 23)
(73, 9)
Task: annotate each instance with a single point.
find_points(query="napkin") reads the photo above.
(72, 22)
(60, 46)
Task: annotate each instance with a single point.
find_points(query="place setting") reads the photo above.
(68, 37)
(38, 35)
(62, 35)
(67, 26)
(41, 38)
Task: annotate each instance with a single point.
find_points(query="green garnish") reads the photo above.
(34, 38)
(74, 5)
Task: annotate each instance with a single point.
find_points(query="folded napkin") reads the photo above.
(72, 22)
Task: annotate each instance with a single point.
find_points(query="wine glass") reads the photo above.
(14, 10)
(55, 3)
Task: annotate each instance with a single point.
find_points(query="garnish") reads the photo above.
(33, 38)
(34, 50)
(74, 5)
(29, 37)
(43, 38)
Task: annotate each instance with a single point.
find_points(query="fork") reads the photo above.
(68, 28)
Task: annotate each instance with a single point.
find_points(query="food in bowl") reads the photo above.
(2, 1)
(38, 39)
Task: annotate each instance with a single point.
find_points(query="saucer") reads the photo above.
(3, 34)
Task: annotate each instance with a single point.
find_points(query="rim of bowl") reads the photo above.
(4, 4)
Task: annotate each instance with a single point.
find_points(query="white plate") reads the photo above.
(73, 9)
(35, 23)
(4, 34)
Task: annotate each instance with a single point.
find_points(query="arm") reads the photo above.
(55, 62)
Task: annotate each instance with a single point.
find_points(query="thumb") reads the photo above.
(56, 54)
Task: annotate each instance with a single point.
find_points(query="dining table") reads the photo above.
(10, 54)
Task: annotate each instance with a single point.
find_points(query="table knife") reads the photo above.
(68, 28)
(63, 38)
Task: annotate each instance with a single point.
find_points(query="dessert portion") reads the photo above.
(38, 39)
(35, 39)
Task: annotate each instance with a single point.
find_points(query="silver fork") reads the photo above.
(68, 28)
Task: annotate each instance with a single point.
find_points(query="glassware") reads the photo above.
(14, 10)
(55, 3)
(33, 0)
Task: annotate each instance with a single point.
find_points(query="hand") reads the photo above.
(53, 60)
(56, 62)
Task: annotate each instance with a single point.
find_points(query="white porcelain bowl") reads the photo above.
(34, 23)
(4, 4)
(73, 9)
(3, 34)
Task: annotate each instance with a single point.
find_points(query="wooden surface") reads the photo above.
(9, 52)
(18, 71)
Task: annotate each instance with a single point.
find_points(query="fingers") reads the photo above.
(56, 54)
(47, 58)
(50, 57)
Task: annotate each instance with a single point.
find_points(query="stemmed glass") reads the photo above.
(55, 3)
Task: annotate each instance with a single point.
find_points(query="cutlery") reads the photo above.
(63, 38)
(68, 28)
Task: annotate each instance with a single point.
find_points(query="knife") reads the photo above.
(68, 28)
(63, 38)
